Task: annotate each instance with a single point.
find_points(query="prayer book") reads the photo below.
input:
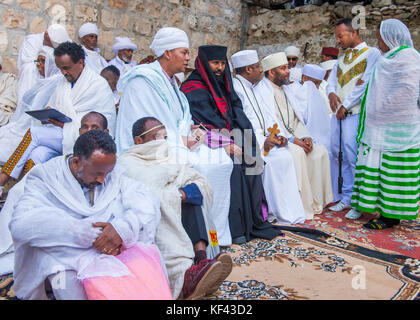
(45, 114)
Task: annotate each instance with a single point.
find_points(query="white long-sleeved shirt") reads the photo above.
(355, 96)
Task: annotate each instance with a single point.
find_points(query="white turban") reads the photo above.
(244, 58)
(58, 34)
(313, 71)
(167, 39)
(122, 43)
(328, 65)
(88, 28)
(395, 33)
(292, 51)
(273, 61)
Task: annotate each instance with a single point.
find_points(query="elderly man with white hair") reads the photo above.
(88, 34)
(28, 74)
(150, 90)
(292, 54)
(123, 48)
(279, 177)
(311, 159)
(8, 95)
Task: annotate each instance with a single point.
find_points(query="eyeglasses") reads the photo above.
(40, 61)
(292, 59)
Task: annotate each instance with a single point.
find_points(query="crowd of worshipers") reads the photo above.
(156, 172)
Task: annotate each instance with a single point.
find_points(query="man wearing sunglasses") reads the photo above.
(295, 68)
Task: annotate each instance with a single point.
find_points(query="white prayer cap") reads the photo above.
(123, 43)
(313, 71)
(244, 58)
(292, 51)
(180, 76)
(169, 38)
(58, 34)
(88, 28)
(273, 61)
(328, 65)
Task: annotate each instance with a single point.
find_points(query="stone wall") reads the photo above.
(271, 31)
(205, 21)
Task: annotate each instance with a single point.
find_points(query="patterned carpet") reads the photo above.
(402, 239)
(329, 258)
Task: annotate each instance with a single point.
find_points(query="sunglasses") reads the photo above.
(39, 60)
(291, 59)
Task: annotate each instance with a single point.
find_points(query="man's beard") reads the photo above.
(220, 79)
(281, 81)
(125, 59)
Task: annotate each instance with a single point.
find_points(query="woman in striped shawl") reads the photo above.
(388, 162)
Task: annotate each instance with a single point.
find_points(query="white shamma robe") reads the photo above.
(8, 96)
(147, 92)
(52, 229)
(151, 164)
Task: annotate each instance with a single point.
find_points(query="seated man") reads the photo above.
(311, 159)
(78, 212)
(112, 75)
(185, 201)
(8, 95)
(124, 49)
(92, 121)
(77, 93)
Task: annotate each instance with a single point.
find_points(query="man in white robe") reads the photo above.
(185, 228)
(346, 87)
(8, 95)
(28, 52)
(279, 177)
(77, 213)
(124, 49)
(312, 110)
(80, 91)
(91, 121)
(88, 34)
(311, 159)
(295, 68)
(151, 90)
(111, 74)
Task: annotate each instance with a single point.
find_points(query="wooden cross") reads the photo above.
(273, 132)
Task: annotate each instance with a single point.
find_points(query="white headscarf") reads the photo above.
(391, 109)
(169, 38)
(88, 28)
(58, 34)
(395, 34)
(122, 43)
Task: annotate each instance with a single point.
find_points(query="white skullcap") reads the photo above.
(123, 43)
(244, 58)
(313, 71)
(167, 39)
(58, 34)
(180, 76)
(328, 65)
(273, 61)
(88, 28)
(292, 51)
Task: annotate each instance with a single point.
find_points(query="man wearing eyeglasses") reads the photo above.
(295, 68)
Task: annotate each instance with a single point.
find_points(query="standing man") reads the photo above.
(346, 85)
(124, 49)
(292, 54)
(279, 177)
(215, 105)
(88, 34)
